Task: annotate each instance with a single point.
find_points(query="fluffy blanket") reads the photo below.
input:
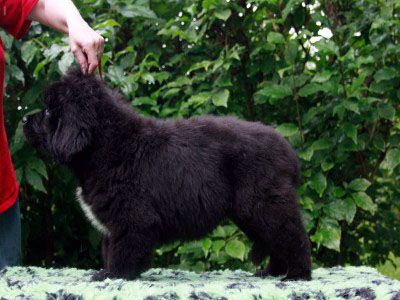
(162, 284)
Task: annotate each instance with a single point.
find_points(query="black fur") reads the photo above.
(155, 181)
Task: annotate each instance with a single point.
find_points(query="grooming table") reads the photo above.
(163, 284)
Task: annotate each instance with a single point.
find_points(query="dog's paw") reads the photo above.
(260, 273)
(269, 272)
(102, 275)
(264, 273)
(305, 276)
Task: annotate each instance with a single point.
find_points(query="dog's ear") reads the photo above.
(73, 133)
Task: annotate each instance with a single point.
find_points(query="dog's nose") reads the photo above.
(24, 120)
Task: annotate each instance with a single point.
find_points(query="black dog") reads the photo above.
(143, 182)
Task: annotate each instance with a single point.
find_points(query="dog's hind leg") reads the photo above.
(259, 250)
(258, 253)
(275, 226)
(276, 267)
(285, 233)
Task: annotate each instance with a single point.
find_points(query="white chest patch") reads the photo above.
(89, 214)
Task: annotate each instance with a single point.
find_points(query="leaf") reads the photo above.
(350, 131)
(18, 174)
(357, 82)
(338, 192)
(275, 38)
(236, 249)
(328, 234)
(392, 159)
(359, 185)
(66, 61)
(287, 9)
(318, 183)
(33, 93)
(39, 66)
(364, 202)
(28, 51)
(180, 81)
(54, 51)
(34, 180)
(352, 106)
(217, 246)
(148, 77)
(19, 139)
(310, 114)
(379, 142)
(329, 47)
(310, 89)
(386, 111)
(322, 144)
(381, 87)
(210, 4)
(287, 129)
(199, 99)
(350, 210)
(171, 92)
(322, 77)
(307, 202)
(219, 232)
(291, 53)
(307, 154)
(331, 233)
(133, 11)
(161, 76)
(276, 90)
(39, 166)
(230, 230)
(17, 73)
(220, 98)
(143, 101)
(223, 14)
(204, 64)
(385, 74)
(327, 166)
(206, 245)
(108, 23)
(336, 209)
(191, 247)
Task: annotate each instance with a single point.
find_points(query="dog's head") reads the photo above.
(64, 128)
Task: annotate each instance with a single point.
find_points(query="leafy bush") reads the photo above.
(325, 74)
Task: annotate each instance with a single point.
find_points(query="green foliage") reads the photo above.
(335, 98)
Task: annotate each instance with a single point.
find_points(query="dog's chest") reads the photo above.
(89, 213)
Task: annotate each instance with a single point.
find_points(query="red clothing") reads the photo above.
(12, 19)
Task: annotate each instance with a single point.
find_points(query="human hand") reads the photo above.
(86, 44)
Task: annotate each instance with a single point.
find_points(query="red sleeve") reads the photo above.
(13, 15)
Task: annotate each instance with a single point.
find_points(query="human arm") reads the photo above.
(62, 15)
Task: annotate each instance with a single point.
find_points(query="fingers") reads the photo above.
(92, 60)
(94, 53)
(88, 47)
(81, 57)
(100, 47)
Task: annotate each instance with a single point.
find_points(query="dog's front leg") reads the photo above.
(128, 255)
(104, 250)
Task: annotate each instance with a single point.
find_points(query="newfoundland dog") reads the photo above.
(143, 182)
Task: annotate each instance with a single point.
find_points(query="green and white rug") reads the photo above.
(161, 284)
